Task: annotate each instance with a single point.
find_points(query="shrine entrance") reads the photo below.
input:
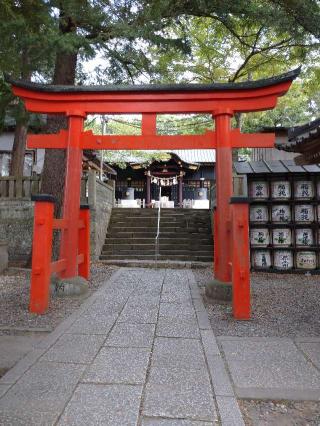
(222, 101)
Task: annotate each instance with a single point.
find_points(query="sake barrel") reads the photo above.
(259, 214)
(303, 190)
(306, 260)
(259, 190)
(261, 259)
(304, 237)
(259, 237)
(283, 259)
(281, 237)
(280, 190)
(303, 213)
(281, 213)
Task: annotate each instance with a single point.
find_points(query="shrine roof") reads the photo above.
(274, 166)
(301, 138)
(247, 85)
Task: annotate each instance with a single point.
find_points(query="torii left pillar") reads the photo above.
(71, 201)
(222, 252)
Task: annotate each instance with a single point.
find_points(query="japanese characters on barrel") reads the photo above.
(285, 223)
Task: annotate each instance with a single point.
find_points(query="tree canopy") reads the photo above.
(164, 41)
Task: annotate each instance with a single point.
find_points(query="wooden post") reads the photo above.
(180, 193)
(148, 195)
(240, 258)
(41, 253)
(71, 203)
(224, 193)
(84, 242)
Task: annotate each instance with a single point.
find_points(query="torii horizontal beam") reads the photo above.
(151, 142)
(175, 98)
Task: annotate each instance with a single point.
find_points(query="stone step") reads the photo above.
(151, 243)
(144, 248)
(185, 235)
(152, 234)
(152, 263)
(162, 250)
(188, 257)
(128, 221)
(170, 228)
(167, 240)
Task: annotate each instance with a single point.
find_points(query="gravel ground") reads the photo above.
(283, 413)
(283, 305)
(14, 290)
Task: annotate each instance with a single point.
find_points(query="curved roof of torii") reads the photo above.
(246, 85)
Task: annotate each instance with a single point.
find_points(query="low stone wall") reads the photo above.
(16, 220)
(16, 226)
(101, 201)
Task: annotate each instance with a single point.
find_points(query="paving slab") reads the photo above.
(178, 384)
(13, 348)
(75, 348)
(230, 413)
(187, 328)
(114, 405)
(312, 351)
(176, 311)
(181, 400)
(40, 395)
(93, 323)
(271, 368)
(143, 314)
(119, 365)
(107, 364)
(173, 422)
(21, 367)
(4, 389)
(131, 335)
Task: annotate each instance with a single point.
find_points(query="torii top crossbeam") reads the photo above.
(222, 101)
(167, 98)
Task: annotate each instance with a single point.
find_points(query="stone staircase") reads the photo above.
(185, 235)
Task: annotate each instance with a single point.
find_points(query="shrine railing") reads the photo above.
(12, 187)
(22, 188)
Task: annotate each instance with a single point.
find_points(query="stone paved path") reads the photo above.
(274, 367)
(140, 352)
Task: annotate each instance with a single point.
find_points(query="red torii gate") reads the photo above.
(220, 100)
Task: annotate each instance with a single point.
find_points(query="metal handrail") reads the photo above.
(158, 229)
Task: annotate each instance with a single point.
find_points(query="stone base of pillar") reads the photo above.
(74, 286)
(219, 291)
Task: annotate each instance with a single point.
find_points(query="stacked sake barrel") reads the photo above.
(284, 224)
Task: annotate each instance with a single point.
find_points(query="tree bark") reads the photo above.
(18, 150)
(53, 174)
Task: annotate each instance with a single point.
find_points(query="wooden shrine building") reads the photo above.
(188, 171)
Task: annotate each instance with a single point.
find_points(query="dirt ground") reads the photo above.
(283, 305)
(280, 413)
(14, 290)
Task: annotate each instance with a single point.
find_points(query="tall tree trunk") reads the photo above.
(53, 174)
(18, 150)
(20, 134)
